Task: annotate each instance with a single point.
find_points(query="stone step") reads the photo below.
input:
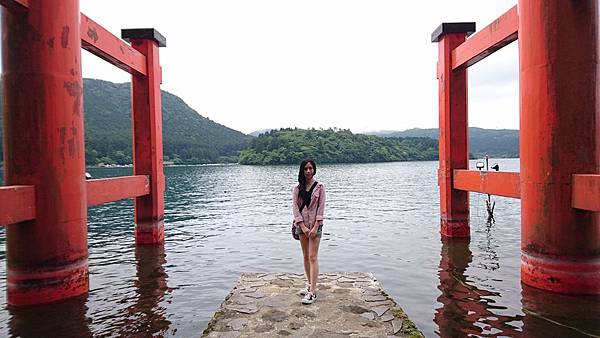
(349, 304)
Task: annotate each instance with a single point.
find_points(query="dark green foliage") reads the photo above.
(188, 138)
(493, 142)
(290, 146)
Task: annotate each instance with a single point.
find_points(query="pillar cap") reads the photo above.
(143, 34)
(452, 27)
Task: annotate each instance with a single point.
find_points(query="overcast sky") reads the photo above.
(362, 65)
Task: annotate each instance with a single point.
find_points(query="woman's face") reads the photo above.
(309, 171)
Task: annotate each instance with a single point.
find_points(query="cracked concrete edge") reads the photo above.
(408, 329)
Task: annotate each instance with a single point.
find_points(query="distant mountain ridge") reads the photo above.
(188, 137)
(493, 142)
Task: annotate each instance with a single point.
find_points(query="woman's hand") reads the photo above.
(313, 232)
(303, 228)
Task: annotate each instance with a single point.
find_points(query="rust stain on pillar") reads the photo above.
(64, 37)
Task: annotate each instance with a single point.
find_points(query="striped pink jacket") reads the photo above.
(314, 212)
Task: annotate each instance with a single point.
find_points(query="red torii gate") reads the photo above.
(559, 182)
(45, 200)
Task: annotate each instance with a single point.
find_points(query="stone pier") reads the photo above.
(349, 304)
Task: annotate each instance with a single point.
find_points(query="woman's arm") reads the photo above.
(297, 215)
(321, 207)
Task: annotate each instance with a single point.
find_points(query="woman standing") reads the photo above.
(308, 207)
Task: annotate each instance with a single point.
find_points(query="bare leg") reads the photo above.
(304, 243)
(313, 253)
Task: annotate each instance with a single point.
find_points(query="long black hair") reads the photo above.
(301, 178)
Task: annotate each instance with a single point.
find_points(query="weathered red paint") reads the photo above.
(558, 57)
(147, 145)
(489, 182)
(494, 36)
(44, 148)
(100, 42)
(17, 204)
(572, 275)
(453, 147)
(47, 283)
(104, 190)
(586, 192)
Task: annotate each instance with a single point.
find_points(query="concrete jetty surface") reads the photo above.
(349, 304)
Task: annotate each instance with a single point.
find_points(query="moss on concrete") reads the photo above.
(409, 329)
(213, 322)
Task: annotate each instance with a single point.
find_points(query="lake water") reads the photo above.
(383, 218)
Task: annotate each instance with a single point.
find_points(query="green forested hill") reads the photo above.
(493, 142)
(287, 146)
(188, 137)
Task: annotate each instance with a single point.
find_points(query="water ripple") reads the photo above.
(221, 221)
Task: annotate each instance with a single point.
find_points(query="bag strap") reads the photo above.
(309, 193)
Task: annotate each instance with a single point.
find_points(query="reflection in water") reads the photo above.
(568, 316)
(470, 310)
(62, 319)
(467, 309)
(147, 316)
(488, 247)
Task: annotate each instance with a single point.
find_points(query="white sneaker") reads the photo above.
(304, 291)
(309, 298)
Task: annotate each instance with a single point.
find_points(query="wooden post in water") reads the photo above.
(453, 129)
(558, 59)
(44, 204)
(147, 136)
(47, 257)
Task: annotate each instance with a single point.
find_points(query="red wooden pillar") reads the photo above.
(47, 258)
(453, 128)
(558, 53)
(147, 136)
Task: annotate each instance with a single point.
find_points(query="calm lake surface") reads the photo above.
(383, 218)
